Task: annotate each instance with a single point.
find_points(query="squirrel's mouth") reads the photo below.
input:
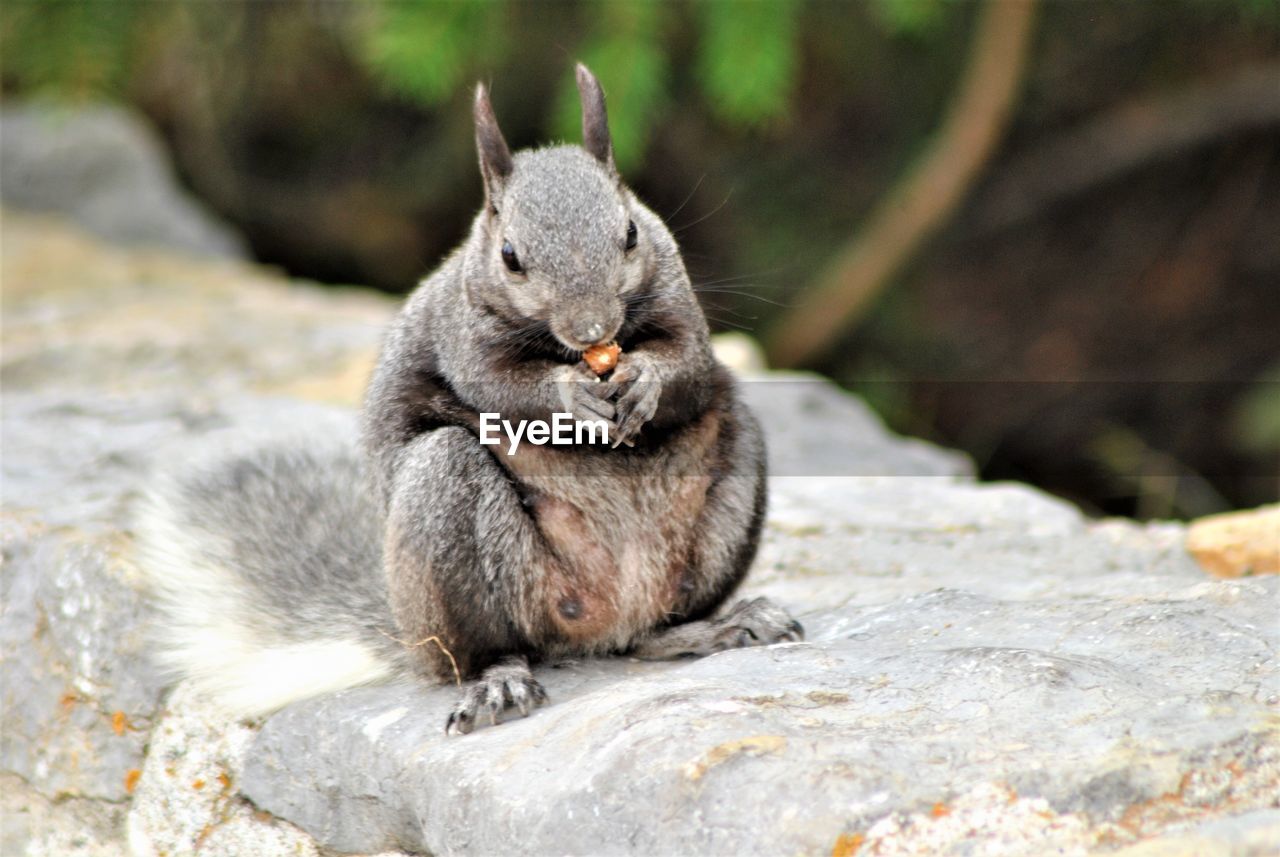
(598, 335)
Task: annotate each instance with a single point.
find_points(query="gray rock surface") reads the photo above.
(77, 693)
(109, 354)
(815, 429)
(103, 167)
(987, 671)
(1096, 704)
(187, 792)
(1251, 834)
(77, 688)
(34, 825)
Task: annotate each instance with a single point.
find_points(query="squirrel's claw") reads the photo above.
(636, 407)
(587, 407)
(640, 388)
(763, 621)
(587, 398)
(753, 622)
(506, 684)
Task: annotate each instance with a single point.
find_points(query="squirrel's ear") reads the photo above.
(495, 156)
(595, 119)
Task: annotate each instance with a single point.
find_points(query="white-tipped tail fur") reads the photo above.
(203, 634)
(251, 655)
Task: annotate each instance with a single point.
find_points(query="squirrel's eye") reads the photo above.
(510, 259)
(631, 235)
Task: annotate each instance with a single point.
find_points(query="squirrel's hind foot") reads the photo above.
(507, 684)
(754, 622)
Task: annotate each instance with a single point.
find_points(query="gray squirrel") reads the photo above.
(302, 565)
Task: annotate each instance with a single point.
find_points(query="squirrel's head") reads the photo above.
(561, 240)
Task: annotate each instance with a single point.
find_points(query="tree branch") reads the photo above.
(924, 197)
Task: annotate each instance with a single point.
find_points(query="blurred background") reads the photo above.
(1046, 233)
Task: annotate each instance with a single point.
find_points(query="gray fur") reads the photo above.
(265, 553)
(317, 574)
(486, 559)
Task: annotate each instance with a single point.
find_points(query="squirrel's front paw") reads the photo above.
(506, 684)
(586, 397)
(640, 389)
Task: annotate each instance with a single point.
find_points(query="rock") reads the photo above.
(75, 685)
(103, 167)
(92, 321)
(1253, 834)
(816, 429)
(867, 540)
(987, 819)
(35, 826)
(1237, 544)
(987, 670)
(77, 688)
(187, 792)
(109, 354)
(1103, 708)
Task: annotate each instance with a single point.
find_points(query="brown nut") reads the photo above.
(602, 358)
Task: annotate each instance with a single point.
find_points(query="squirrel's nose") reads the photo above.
(588, 331)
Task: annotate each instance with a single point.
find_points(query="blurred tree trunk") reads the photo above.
(923, 199)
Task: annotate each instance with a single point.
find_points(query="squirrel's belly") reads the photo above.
(617, 573)
(621, 540)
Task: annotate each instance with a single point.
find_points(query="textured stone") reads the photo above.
(1237, 544)
(1252, 834)
(109, 354)
(35, 826)
(816, 429)
(75, 686)
(89, 321)
(104, 168)
(989, 819)
(187, 796)
(1095, 706)
(871, 539)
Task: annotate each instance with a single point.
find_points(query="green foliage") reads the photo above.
(911, 18)
(1262, 8)
(425, 49)
(67, 48)
(624, 52)
(1264, 11)
(746, 64)
(747, 58)
(1257, 415)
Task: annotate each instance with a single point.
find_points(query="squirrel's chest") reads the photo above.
(620, 538)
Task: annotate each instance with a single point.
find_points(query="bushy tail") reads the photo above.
(265, 558)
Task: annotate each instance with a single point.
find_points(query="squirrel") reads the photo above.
(307, 564)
